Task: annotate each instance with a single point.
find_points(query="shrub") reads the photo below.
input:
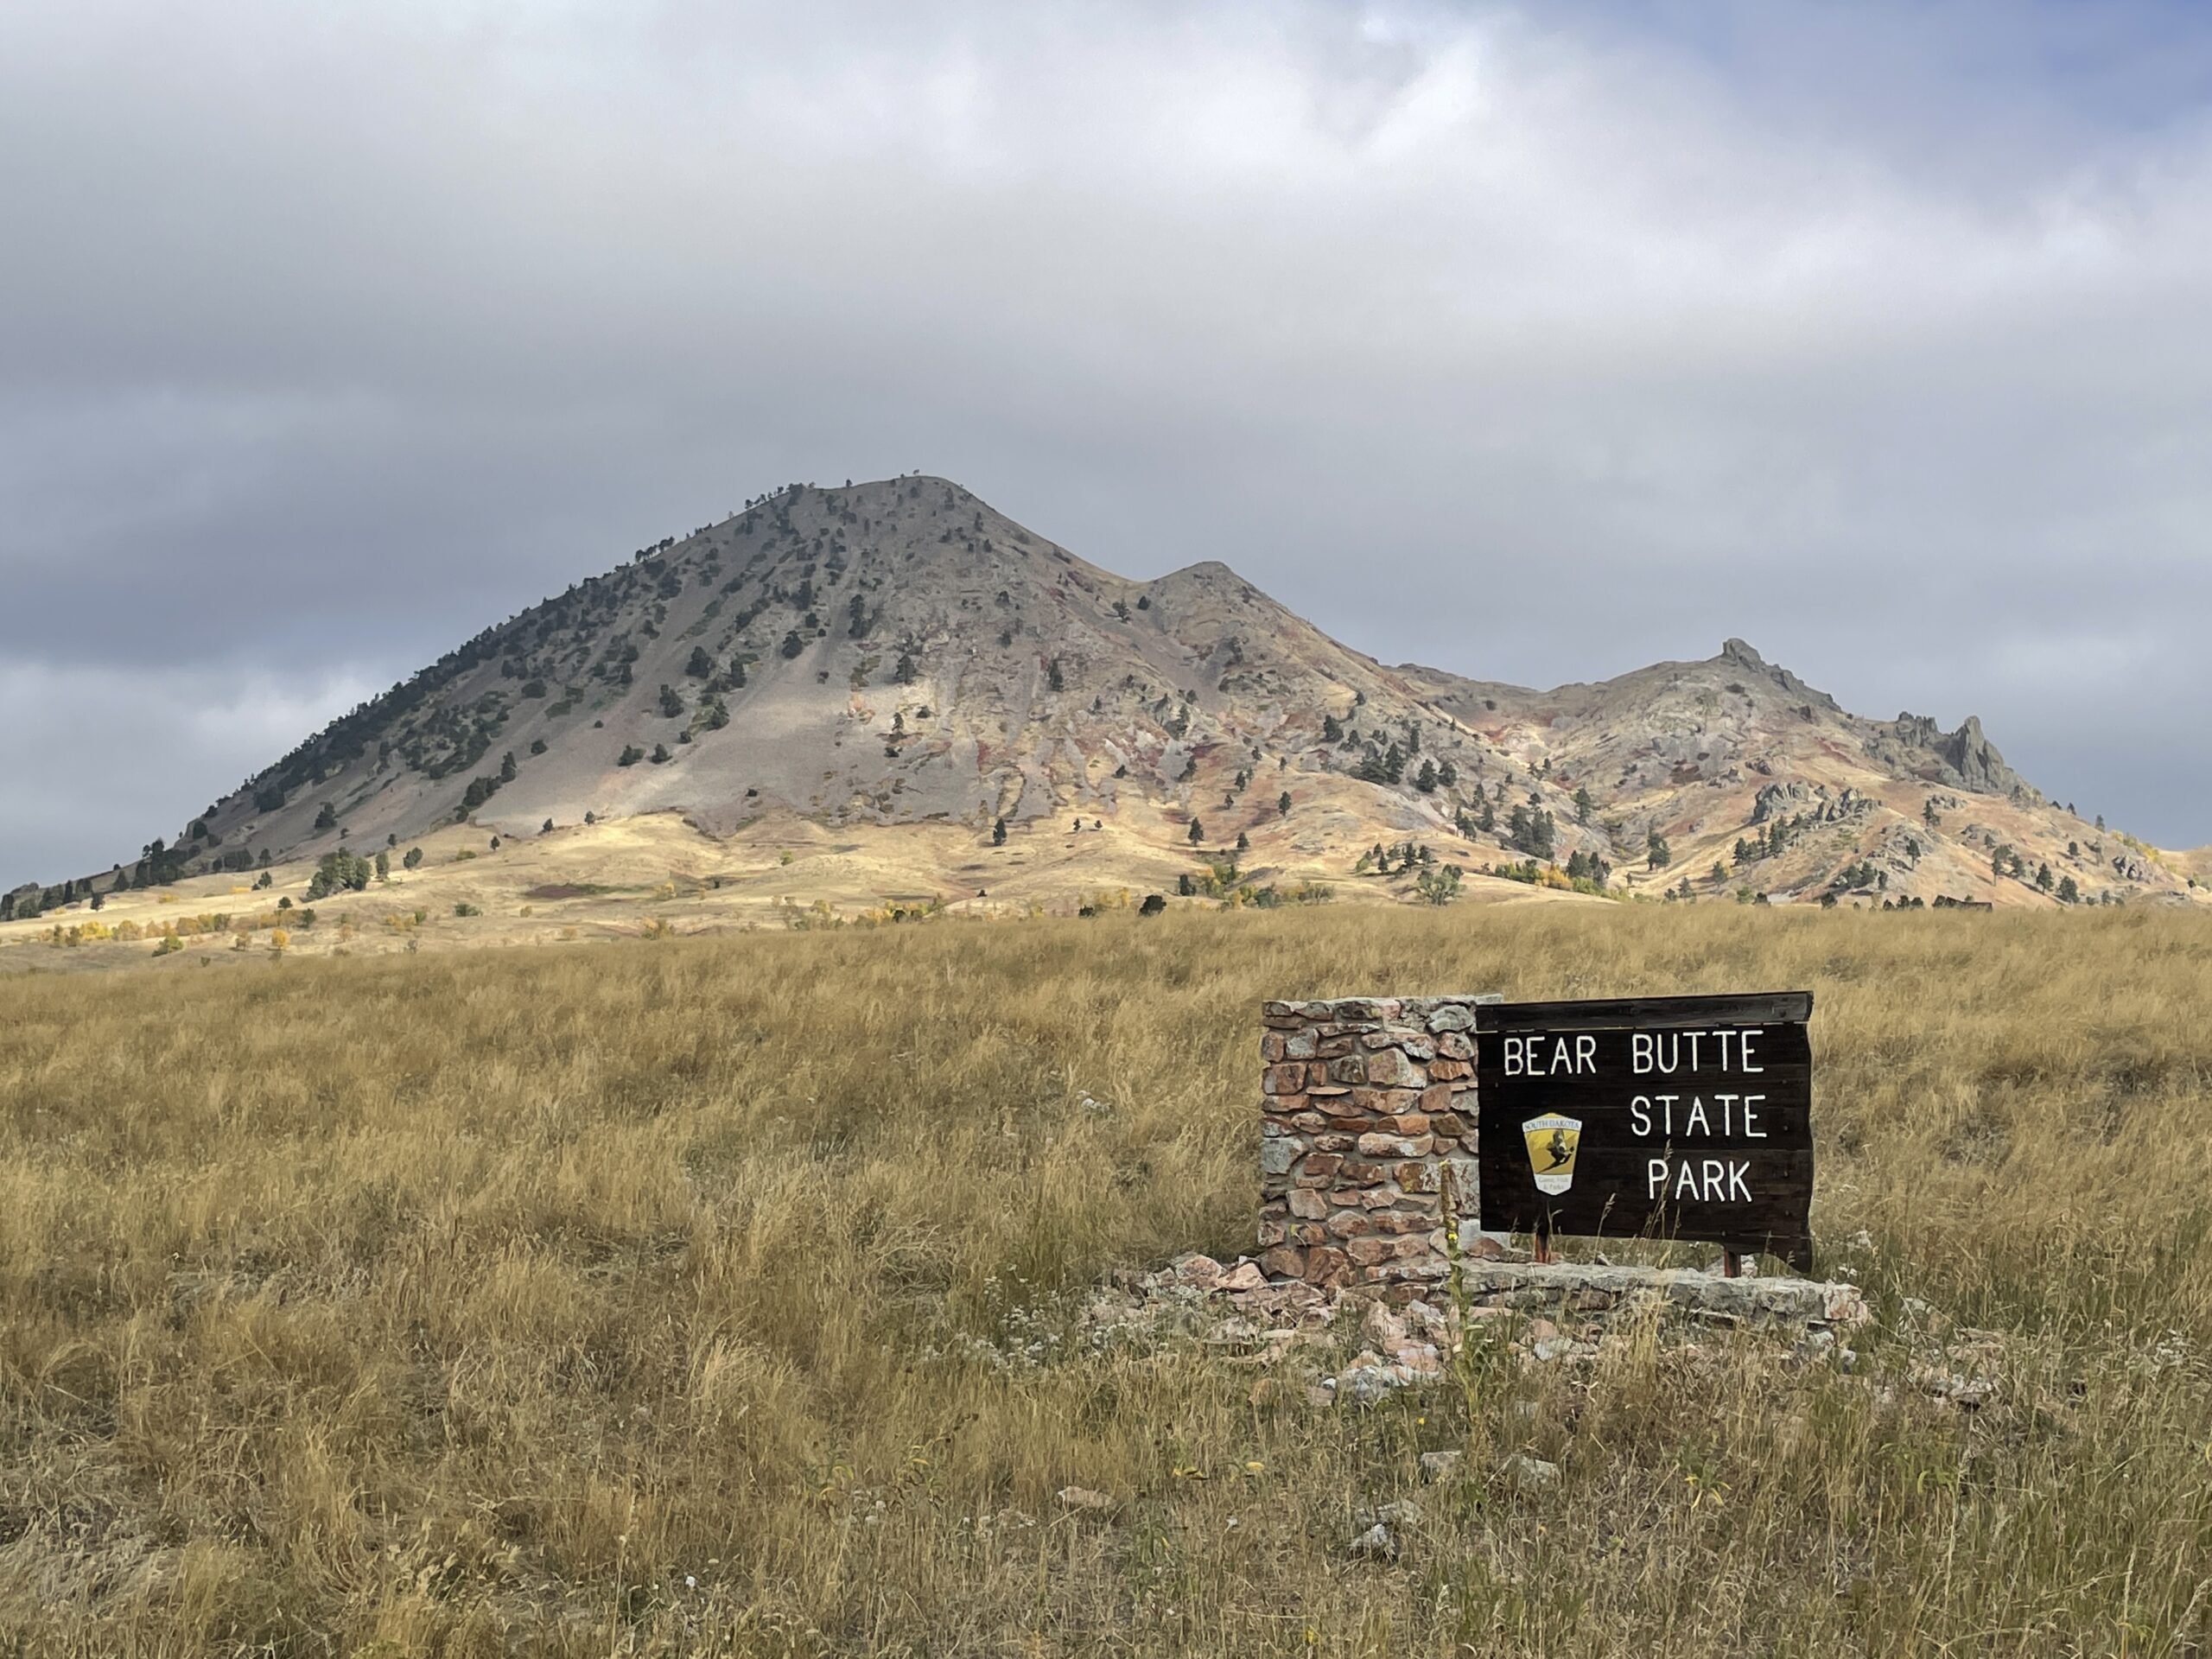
(1437, 884)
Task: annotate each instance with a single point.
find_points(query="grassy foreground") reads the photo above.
(708, 1296)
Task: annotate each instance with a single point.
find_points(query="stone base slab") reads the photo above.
(1575, 1287)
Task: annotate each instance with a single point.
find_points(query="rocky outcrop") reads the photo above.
(1737, 654)
(1975, 759)
(1779, 800)
(1965, 759)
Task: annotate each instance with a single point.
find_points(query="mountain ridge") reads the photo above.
(898, 651)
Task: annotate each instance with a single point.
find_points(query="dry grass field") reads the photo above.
(719, 1296)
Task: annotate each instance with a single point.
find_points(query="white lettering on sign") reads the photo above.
(1649, 1115)
(1539, 1057)
(1669, 1052)
(1702, 1180)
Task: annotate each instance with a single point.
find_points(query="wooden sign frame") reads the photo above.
(1672, 1117)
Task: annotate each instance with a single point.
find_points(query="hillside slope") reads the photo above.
(898, 652)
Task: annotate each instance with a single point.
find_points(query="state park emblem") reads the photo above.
(1552, 1141)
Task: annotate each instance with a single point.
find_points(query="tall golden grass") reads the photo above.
(716, 1296)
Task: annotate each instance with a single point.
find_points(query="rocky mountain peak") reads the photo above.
(1735, 653)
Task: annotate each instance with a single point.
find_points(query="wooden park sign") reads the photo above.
(1682, 1117)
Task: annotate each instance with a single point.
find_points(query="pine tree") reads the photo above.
(1583, 806)
(1656, 854)
(1198, 832)
(1243, 842)
(413, 858)
(998, 833)
(1053, 677)
(1282, 805)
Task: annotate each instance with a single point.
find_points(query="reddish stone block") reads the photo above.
(1395, 1222)
(1283, 1262)
(1273, 1046)
(1411, 1123)
(1309, 1205)
(1351, 1223)
(1273, 1233)
(1326, 1268)
(1283, 1079)
(1389, 1068)
(1357, 1172)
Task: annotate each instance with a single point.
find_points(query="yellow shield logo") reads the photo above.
(1552, 1141)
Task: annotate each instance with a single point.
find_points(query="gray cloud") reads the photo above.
(1531, 346)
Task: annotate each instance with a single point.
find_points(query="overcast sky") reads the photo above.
(1537, 344)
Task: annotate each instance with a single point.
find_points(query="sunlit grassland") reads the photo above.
(677, 1297)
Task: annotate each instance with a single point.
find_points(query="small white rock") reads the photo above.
(1531, 1474)
(1375, 1544)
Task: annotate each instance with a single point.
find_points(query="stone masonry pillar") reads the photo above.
(1365, 1099)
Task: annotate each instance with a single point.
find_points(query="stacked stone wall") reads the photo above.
(1364, 1101)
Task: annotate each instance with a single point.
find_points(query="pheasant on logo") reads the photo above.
(1552, 1141)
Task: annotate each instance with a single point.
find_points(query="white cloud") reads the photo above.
(100, 760)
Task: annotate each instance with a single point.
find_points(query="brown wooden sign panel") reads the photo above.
(1686, 1117)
